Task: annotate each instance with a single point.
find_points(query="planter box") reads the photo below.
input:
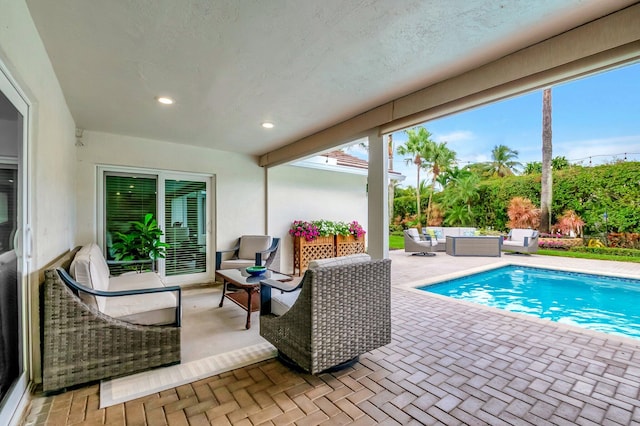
(348, 245)
(305, 251)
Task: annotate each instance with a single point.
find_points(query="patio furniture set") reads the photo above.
(96, 326)
(465, 242)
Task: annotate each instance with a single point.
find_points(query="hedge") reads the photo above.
(612, 251)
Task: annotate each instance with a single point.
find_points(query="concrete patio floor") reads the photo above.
(450, 362)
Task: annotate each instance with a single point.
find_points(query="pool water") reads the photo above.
(607, 304)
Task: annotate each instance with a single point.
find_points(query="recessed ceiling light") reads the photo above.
(165, 100)
(267, 125)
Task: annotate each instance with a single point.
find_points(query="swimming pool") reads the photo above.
(607, 304)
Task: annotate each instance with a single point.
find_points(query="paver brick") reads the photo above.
(448, 363)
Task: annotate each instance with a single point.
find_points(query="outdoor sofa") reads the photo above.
(442, 232)
(95, 326)
(340, 310)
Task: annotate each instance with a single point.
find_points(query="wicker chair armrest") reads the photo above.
(77, 287)
(265, 292)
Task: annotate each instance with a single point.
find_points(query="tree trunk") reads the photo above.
(391, 188)
(546, 192)
(418, 214)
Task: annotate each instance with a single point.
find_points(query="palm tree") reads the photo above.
(532, 167)
(546, 194)
(438, 159)
(417, 144)
(503, 161)
(461, 194)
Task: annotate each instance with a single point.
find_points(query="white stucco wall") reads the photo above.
(298, 193)
(51, 152)
(52, 133)
(239, 200)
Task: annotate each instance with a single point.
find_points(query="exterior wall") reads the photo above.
(51, 158)
(298, 193)
(52, 134)
(238, 202)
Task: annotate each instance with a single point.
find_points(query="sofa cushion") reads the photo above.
(79, 268)
(251, 244)
(413, 233)
(238, 263)
(342, 260)
(281, 302)
(90, 269)
(156, 308)
(519, 234)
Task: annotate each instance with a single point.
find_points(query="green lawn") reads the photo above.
(396, 242)
(575, 254)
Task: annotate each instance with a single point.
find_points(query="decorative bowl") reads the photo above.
(256, 270)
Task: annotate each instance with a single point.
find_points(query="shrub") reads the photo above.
(523, 214)
(624, 240)
(559, 243)
(569, 224)
(612, 251)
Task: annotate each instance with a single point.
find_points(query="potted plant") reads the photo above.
(140, 243)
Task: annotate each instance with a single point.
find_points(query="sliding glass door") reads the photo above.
(14, 261)
(180, 205)
(185, 215)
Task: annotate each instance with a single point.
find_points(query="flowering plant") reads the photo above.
(356, 229)
(302, 228)
(325, 227)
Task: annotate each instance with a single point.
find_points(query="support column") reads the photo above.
(378, 196)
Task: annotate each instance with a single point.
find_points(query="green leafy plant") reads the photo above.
(141, 242)
(325, 227)
(342, 228)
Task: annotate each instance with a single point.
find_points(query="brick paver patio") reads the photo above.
(449, 363)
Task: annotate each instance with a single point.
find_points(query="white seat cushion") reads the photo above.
(156, 308)
(282, 302)
(238, 263)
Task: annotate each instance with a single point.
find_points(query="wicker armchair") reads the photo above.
(341, 312)
(417, 244)
(80, 344)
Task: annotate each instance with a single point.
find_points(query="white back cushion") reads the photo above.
(251, 244)
(79, 268)
(519, 234)
(343, 260)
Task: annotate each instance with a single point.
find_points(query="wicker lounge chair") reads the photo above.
(80, 344)
(524, 241)
(417, 244)
(342, 311)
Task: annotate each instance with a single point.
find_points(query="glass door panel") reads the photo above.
(185, 226)
(10, 297)
(128, 198)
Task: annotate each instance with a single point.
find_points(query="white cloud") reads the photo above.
(602, 150)
(456, 136)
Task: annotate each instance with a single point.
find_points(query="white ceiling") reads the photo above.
(304, 65)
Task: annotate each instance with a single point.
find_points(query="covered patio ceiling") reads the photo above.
(304, 66)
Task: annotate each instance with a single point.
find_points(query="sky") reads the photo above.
(595, 120)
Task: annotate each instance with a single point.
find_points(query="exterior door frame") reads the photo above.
(162, 175)
(17, 397)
